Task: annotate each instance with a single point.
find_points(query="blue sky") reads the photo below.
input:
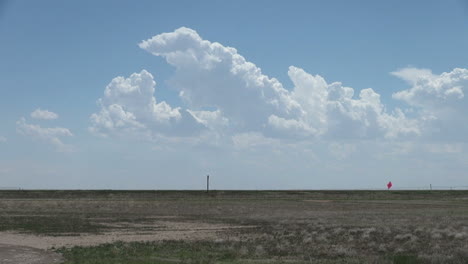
(59, 56)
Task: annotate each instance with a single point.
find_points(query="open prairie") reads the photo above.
(234, 227)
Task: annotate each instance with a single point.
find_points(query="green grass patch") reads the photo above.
(142, 253)
(168, 252)
(191, 252)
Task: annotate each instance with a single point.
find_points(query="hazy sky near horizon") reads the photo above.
(258, 94)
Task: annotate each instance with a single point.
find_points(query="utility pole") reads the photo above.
(207, 183)
(431, 186)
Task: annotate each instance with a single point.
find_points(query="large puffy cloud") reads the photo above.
(432, 91)
(332, 111)
(439, 100)
(209, 74)
(129, 106)
(244, 101)
(51, 135)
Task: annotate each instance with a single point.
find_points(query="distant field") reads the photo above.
(240, 226)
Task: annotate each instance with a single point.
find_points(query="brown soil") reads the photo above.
(123, 232)
(12, 254)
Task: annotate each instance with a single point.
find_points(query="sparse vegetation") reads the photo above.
(271, 226)
(50, 225)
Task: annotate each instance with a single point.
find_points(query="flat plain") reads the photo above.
(234, 226)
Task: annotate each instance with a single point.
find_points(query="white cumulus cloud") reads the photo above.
(334, 112)
(210, 75)
(129, 105)
(50, 135)
(44, 114)
(244, 101)
(439, 100)
(432, 91)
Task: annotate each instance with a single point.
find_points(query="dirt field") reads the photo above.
(12, 254)
(236, 226)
